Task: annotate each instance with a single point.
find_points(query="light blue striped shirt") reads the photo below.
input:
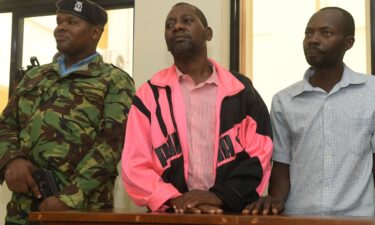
(328, 140)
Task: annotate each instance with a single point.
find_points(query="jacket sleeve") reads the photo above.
(140, 175)
(100, 162)
(248, 174)
(9, 135)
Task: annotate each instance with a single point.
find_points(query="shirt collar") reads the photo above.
(211, 80)
(349, 77)
(75, 67)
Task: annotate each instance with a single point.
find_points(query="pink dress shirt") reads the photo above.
(200, 105)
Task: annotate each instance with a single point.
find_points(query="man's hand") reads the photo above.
(52, 204)
(18, 176)
(265, 205)
(210, 209)
(278, 192)
(197, 201)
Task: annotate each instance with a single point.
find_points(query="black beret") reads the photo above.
(85, 9)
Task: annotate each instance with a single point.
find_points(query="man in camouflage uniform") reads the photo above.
(68, 117)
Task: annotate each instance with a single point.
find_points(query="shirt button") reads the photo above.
(50, 76)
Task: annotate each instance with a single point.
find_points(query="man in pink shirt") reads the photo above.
(199, 136)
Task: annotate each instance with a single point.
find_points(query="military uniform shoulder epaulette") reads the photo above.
(36, 69)
(127, 74)
(117, 67)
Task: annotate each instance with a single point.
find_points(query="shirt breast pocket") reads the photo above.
(357, 127)
(88, 100)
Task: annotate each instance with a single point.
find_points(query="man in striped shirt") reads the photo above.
(199, 137)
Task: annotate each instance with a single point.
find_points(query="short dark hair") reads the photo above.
(348, 20)
(199, 13)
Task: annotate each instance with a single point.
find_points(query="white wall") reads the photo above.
(5, 44)
(150, 50)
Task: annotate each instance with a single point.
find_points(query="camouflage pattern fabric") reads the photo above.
(73, 125)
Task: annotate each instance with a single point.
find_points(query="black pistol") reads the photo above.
(46, 182)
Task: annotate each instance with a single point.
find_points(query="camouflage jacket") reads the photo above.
(73, 125)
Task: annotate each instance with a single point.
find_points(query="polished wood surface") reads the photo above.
(131, 217)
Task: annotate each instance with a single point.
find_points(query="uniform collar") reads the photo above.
(349, 77)
(81, 65)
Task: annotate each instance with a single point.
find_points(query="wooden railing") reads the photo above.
(129, 217)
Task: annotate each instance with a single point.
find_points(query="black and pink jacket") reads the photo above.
(155, 155)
